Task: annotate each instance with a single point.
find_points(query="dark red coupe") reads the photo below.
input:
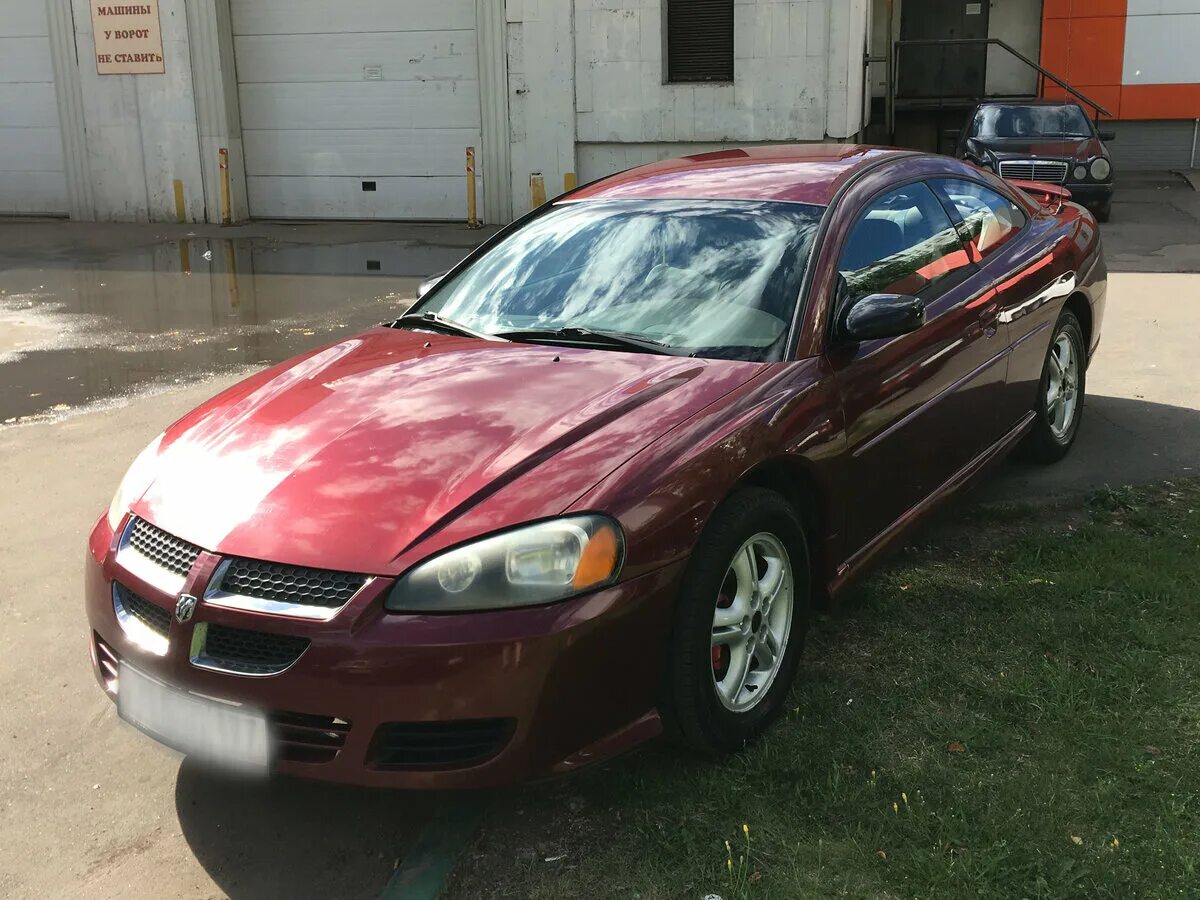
(594, 484)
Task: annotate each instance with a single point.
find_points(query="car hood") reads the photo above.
(1043, 148)
(345, 457)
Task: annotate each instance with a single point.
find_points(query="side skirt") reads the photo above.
(855, 564)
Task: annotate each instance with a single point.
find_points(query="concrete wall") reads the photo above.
(141, 129)
(593, 72)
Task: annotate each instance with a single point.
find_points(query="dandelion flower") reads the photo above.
(904, 797)
(746, 830)
(896, 808)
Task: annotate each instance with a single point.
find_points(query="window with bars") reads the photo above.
(699, 40)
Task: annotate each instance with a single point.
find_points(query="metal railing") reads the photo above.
(1043, 73)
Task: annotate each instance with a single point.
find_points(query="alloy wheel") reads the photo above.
(751, 622)
(1062, 392)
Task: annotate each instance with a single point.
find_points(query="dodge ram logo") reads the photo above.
(185, 608)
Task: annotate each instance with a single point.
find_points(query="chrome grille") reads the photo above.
(145, 623)
(1051, 170)
(162, 549)
(245, 652)
(289, 584)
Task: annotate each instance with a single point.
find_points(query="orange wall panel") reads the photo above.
(1056, 9)
(1160, 101)
(1085, 8)
(1056, 46)
(1097, 51)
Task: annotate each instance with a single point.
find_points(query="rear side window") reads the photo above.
(991, 219)
(902, 243)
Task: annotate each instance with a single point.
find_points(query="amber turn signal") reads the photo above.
(599, 560)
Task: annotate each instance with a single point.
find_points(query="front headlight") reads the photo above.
(1080, 173)
(1101, 168)
(528, 566)
(134, 484)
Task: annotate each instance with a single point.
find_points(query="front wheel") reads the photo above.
(1061, 393)
(740, 624)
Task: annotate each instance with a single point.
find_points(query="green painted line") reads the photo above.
(423, 872)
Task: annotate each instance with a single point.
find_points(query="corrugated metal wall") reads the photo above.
(1165, 144)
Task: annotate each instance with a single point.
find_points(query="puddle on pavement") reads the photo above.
(74, 333)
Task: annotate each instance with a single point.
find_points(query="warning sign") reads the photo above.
(128, 38)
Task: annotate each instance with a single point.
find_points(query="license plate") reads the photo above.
(232, 737)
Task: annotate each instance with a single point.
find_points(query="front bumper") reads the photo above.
(570, 683)
(1092, 195)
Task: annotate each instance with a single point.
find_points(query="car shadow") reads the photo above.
(284, 837)
(1121, 441)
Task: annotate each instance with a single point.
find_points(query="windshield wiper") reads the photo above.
(575, 335)
(433, 320)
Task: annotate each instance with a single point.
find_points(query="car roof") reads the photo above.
(797, 173)
(1036, 101)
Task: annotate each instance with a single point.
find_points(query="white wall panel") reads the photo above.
(33, 193)
(349, 16)
(30, 150)
(379, 152)
(417, 55)
(25, 59)
(369, 104)
(32, 175)
(344, 198)
(381, 91)
(1161, 49)
(23, 19)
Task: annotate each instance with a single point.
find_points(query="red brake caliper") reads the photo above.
(719, 659)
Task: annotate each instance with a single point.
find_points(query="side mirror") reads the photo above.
(429, 284)
(1108, 136)
(882, 316)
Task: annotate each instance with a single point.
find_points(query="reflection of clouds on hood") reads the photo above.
(681, 270)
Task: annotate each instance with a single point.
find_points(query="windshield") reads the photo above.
(1031, 122)
(711, 278)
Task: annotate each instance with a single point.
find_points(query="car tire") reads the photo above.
(1060, 399)
(701, 710)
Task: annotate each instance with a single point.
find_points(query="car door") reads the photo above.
(994, 229)
(918, 408)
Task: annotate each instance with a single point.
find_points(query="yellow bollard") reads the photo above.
(180, 208)
(537, 190)
(226, 210)
(472, 201)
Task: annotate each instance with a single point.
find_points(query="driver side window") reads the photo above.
(903, 243)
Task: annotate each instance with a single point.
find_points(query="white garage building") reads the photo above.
(364, 109)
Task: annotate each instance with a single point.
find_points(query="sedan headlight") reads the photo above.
(1101, 168)
(528, 566)
(134, 484)
(1080, 173)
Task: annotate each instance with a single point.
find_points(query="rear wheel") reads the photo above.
(1060, 394)
(740, 624)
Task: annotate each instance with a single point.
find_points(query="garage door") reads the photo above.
(358, 109)
(32, 176)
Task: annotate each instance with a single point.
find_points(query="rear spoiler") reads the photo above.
(1045, 193)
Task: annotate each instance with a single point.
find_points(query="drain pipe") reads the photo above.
(1195, 135)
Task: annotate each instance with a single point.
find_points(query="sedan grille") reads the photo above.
(162, 549)
(149, 614)
(290, 584)
(439, 745)
(244, 652)
(1054, 171)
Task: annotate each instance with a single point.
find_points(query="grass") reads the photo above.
(1011, 709)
